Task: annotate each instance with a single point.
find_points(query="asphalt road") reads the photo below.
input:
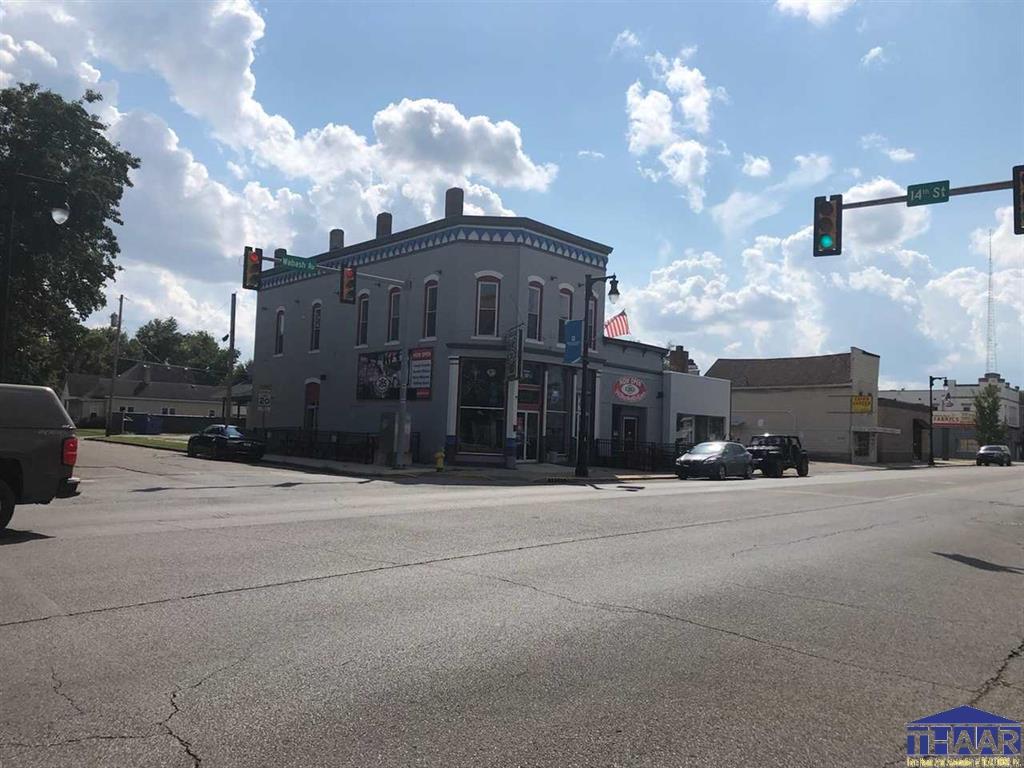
(184, 612)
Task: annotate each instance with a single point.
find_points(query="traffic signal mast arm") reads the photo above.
(341, 269)
(995, 185)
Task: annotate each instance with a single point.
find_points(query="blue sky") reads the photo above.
(272, 123)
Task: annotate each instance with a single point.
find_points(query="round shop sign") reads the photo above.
(630, 389)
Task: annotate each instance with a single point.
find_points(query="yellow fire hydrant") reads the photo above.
(439, 461)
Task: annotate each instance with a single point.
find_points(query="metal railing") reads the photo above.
(650, 457)
(358, 447)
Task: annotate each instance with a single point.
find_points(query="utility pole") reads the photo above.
(583, 435)
(231, 355)
(113, 368)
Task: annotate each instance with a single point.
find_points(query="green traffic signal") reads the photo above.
(826, 241)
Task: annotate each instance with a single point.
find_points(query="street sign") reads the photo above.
(263, 398)
(514, 354)
(926, 194)
(573, 341)
(299, 263)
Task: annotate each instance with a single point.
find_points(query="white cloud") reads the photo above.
(818, 12)
(690, 84)
(686, 163)
(874, 58)
(756, 166)
(743, 209)
(650, 119)
(874, 280)
(883, 227)
(879, 142)
(625, 41)
(1007, 248)
(590, 154)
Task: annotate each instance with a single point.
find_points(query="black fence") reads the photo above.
(649, 457)
(358, 447)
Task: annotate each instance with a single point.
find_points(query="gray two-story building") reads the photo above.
(447, 293)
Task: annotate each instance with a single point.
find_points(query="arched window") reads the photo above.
(430, 309)
(564, 311)
(314, 327)
(487, 290)
(279, 333)
(534, 310)
(394, 312)
(362, 319)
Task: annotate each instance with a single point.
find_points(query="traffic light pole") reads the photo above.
(231, 356)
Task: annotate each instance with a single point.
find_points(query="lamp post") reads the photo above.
(931, 418)
(15, 183)
(582, 437)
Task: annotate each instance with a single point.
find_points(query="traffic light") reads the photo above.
(347, 294)
(1018, 199)
(252, 265)
(828, 226)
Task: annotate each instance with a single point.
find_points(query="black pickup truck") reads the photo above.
(38, 448)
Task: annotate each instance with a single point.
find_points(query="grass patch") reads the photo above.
(144, 441)
(90, 432)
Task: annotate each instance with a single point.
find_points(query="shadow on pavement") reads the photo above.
(11, 536)
(983, 565)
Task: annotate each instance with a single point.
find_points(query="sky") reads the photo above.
(690, 137)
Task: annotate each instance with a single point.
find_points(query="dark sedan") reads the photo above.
(994, 454)
(220, 441)
(717, 460)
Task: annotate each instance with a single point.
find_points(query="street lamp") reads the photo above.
(931, 418)
(582, 442)
(59, 214)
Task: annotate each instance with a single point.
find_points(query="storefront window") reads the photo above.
(482, 406)
(557, 399)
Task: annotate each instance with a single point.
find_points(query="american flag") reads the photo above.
(617, 326)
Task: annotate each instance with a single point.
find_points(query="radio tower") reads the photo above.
(990, 351)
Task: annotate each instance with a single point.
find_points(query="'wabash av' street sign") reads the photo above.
(926, 194)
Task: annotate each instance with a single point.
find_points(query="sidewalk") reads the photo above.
(546, 473)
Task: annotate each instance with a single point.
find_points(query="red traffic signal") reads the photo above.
(252, 266)
(347, 293)
(1018, 199)
(828, 226)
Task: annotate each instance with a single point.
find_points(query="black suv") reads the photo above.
(774, 454)
(38, 448)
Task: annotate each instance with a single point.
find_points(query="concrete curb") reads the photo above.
(181, 450)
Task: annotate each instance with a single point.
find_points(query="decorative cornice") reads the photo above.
(457, 233)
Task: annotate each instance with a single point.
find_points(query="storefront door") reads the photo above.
(630, 432)
(528, 436)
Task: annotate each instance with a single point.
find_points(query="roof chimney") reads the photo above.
(679, 360)
(337, 239)
(383, 224)
(147, 374)
(453, 200)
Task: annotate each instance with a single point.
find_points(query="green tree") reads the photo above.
(57, 273)
(988, 424)
(157, 341)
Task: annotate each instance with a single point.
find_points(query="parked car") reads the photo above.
(38, 448)
(994, 454)
(716, 460)
(774, 454)
(223, 441)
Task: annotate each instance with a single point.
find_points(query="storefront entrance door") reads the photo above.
(630, 432)
(528, 436)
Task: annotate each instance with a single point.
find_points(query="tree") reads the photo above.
(988, 424)
(157, 341)
(57, 273)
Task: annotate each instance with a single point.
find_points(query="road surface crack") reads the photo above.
(57, 684)
(826, 535)
(997, 679)
(79, 740)
(619, 608)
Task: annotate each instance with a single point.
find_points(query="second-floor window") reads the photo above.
(314, 327)
(394, 313)
(564, 312)
(430, 310)
(535, 304)
(279, 333)
(362, 320)
(487, 306)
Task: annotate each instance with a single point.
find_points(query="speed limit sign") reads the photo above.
(263, 398)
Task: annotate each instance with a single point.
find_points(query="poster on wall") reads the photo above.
(630, 389)
(421, 369)
(378, 376)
